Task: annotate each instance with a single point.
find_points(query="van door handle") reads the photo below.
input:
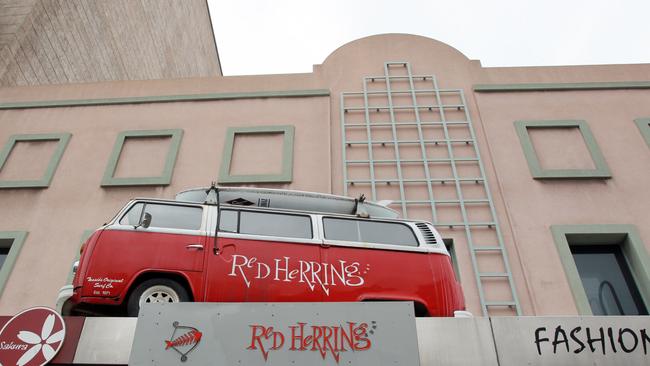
(194, 246)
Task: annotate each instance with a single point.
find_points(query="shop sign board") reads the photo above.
(584, 340)
(378, 333)
(32, 337)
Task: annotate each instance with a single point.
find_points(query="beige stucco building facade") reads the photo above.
(517, 167)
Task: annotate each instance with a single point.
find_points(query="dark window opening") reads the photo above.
(607, 280)
(5, 246)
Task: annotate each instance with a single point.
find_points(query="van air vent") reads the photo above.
(427, 233)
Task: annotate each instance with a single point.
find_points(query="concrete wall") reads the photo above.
(481, 341)
(58, 42)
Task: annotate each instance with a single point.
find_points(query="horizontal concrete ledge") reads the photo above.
(167, 99)
(497, 341)
(614, 85)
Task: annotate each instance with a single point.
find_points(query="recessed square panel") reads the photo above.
(565, 151)
(143, 158)
(259, 154)
(560, 148)
(29, 161)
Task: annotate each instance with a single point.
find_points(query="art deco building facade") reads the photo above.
(536, 176)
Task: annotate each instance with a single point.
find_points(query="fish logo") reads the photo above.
(183, 344)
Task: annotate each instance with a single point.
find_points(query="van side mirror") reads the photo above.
(146, 220)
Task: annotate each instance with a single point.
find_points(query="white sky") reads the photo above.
(289, 36)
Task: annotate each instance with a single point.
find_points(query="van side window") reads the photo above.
(228, 221)
(369, 232)
(274, 224)
(133, 216)
(174, 217)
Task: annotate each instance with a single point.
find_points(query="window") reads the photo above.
(290, 226)
(4, 250)
(607, 280)
(174, 217)
(10, 244)
(369, 232)
(607, 268)
(266, 223)
(133, 216)
(228, 221)
(165, 216)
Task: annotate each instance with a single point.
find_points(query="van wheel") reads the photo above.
(157, 290)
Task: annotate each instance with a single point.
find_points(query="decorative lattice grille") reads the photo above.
(406, 140)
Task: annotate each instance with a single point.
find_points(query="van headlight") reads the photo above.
(75, 267)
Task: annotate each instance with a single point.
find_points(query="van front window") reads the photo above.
(133, 216)
(174, 217)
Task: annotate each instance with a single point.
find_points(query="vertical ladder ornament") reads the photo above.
(427, 106)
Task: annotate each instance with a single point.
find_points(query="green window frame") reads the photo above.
(18, 238)
(644, 127)
(626, 236)
(601, 169)
(286, 176)
(165, 179)
(46, 179)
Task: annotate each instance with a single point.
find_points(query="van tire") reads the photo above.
(155, 290)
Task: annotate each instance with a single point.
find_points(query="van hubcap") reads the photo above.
(159, 294)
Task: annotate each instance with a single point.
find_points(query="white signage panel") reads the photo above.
(378, 333)
(586, 340)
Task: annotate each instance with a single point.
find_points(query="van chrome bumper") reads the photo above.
(62, 304)
(462, 314)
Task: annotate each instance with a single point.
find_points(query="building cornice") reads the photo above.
(524, 87)
(166, 99)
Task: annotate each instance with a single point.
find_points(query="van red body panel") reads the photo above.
(120, 255)
(254, 268)
(262, 271)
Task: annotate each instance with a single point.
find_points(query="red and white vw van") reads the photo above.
(269, 247)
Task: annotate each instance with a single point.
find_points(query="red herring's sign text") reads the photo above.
(326, 340)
